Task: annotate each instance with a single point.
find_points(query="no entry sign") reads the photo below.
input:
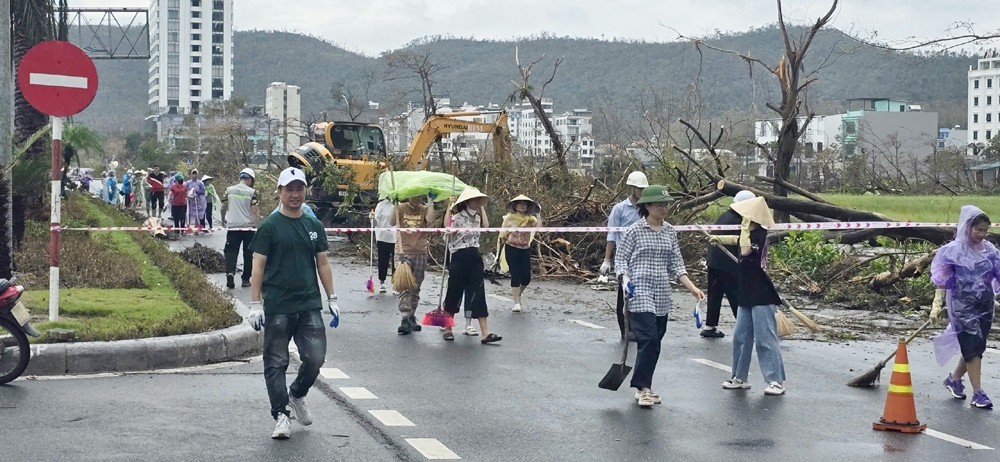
(57, 78)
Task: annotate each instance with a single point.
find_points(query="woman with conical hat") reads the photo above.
(647, 258)
(465, 270)
(516, 251)
(755, 319)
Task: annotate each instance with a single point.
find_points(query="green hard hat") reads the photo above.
(655, 193)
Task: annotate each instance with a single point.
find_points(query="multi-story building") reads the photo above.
(527, 129)
(191, 54)
(984, 101)
(283, 110)
(575, 132)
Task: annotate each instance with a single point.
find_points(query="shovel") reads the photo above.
(619, 372)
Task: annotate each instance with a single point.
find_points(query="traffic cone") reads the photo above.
(900, 412)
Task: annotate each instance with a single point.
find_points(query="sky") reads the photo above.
(374, 26)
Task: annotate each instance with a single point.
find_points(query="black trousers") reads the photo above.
(721, 283)
(179, 214)
(649, 330)
(235, 240)
(465, 277)
(386, 251)
(208, 213)
(519, 264)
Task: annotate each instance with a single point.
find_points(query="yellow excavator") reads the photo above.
(362, 147)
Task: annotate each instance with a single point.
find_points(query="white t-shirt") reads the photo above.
(383, 216)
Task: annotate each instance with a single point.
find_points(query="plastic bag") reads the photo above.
(699, 308)
(402, 185)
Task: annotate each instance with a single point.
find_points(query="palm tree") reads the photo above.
(32, 22)
(78, 139)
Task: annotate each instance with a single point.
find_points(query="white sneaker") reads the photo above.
(774, 388)
(469, 330)
(646, 399)
(736, 384)
(282, 430)
(656, 397)
(517, 308)
(299, 410)
(382, 289)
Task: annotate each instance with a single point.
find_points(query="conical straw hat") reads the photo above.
(534, 207)
(467, 194)
(756, 209)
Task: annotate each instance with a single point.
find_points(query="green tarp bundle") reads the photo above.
(408, 184)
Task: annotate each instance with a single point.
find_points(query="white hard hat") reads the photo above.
(743, 195)
(637, 179)
(248, 172)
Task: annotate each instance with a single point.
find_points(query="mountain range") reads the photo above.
(592, 72)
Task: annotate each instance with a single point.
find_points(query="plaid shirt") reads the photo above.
(651, 259)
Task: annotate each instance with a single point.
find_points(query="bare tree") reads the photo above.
(525, 92)
(408, 64)
(354, 94)
(793, 82)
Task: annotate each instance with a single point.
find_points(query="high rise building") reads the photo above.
(283, 109)
(191, 54)
(984, 99)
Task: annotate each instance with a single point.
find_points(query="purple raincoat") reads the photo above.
(196, 204)
(971, 274)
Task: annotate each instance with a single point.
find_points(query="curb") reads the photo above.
(230, 344)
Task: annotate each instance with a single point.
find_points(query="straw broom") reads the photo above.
(402, 276)
(785, 326)
(869, 378)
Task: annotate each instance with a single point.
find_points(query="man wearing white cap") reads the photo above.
(723, 272)
(289, 249)
(623, 215)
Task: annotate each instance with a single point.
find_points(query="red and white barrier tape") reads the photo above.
(842, 226)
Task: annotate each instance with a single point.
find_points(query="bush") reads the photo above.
(86, 260)
(804, 252)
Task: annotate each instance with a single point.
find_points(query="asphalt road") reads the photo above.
(533, 396)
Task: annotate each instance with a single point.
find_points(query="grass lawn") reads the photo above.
(934, 209)
(113, 314)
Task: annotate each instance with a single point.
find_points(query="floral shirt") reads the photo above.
(463, 240)
(651, 259)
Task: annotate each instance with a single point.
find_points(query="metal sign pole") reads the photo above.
(55, 226)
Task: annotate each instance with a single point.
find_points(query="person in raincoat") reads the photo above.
(127, 189)
(111, 189)
(517, 244)
(196, 200)
(211, 199)
(966, 273)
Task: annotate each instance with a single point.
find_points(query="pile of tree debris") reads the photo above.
(207, 259)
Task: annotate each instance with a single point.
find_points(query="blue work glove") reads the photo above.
(256, 315)
(629, 288)
(334, 310)
(432, 195)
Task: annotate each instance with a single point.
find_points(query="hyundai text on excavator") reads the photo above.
(362, 147)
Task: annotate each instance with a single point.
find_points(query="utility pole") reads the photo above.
(6, 135)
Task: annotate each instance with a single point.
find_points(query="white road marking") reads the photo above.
(501, 297)
(56, 80)
(587, 324)
(432, 449)
(333, 373)
(721, 367)
(358, 393)
(179, 370)
(392, 418)
(954, 439)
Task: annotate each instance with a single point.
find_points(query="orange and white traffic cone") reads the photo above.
(900, 411)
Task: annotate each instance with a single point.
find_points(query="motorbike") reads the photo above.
(15, 351)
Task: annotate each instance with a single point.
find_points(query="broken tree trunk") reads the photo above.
(912, 269)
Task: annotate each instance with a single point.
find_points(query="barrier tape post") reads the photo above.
(56, 219)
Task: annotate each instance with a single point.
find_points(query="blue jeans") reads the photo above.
(649, 330)
(307, 329)
(757, 326)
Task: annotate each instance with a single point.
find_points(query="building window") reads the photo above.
(975, 101)
(196, 37)
(218, 5)
(989, 83)
(196, 82)
(975, 135)
(195, 92)
(216, 94)
(216, 38)
(196, 48)
(196, 3)
(196, 25)
(196, 59)
(975, 118)
(196, 70)
(975, 84)
(217, 16)
(196, 14)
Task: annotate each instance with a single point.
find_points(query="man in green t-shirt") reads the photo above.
(288, 250)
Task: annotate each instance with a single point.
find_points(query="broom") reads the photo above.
(439, 317)
(869, 378)
(402, 276)
(785, 327)
(370, 285)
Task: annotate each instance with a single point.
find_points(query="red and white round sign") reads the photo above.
(57, 78)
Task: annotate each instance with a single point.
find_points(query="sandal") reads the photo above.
(469, 330)
(491, 339)
(449, 336)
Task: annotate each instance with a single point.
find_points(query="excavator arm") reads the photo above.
(441, 124)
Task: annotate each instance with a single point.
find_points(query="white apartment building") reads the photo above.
(821, 133)
(191, 54)
(575, 131)
(528, 130)
(984, 100)
(282, 106)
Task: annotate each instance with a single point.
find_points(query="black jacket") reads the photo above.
(717, 259)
